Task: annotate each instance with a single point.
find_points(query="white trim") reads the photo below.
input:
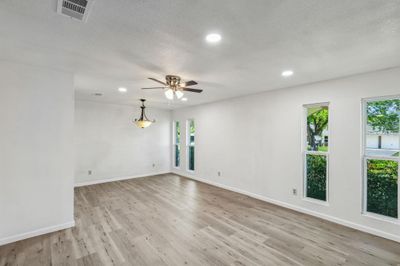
(333, 219)
(305, 152)
(37, 232)
(365, 157)
(381, 98)
(113, 179)
(381, 217)
(316, 201)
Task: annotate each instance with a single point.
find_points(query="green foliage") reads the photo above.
(317, 122)
(177, 141)
(191, 158)
(382, 178)
(316, 176)
(383, 116)
(323, 148)
(191, 126)
(177, 156)
(178, 132)
(191, 131)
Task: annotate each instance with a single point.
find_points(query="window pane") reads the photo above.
(191, 158)
(191, 132)
(317, 128)
(382, 179)
(177, 155)
(177, 133)
(382, 132)
(316, 176)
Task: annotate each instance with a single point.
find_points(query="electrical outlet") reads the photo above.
(90, 172)
(294, 191)
(219, 173)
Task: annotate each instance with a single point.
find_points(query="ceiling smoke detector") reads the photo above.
(76, 9)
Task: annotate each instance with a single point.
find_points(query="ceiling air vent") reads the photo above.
(76, 9)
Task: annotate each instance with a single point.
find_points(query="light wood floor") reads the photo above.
(169, 220)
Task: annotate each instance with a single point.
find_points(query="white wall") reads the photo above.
(390, 142)
(256, 143)
(36, 155)
(110, 145)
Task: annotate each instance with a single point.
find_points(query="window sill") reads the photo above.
(381, 218)
(319, 202)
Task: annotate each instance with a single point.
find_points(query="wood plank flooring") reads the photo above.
(170, 220)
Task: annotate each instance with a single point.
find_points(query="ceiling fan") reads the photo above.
(174, 87)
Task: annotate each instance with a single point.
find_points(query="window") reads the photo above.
(190, 131)
(316, 143)
(381, 156)
(177, 143)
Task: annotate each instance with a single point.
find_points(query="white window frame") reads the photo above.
(188, 145)
(365, 157)
(176, 144)
(306, 152)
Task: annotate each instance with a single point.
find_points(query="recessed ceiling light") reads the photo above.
(122, 89)
(287, 73)
(184, 99)
(213, 38)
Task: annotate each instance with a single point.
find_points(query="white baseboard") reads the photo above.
(112, 179)
(37, 232)
(333, 219)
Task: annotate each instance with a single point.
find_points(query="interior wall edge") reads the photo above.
(37, 232)
(326, 217)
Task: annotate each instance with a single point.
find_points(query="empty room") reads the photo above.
(199, 132)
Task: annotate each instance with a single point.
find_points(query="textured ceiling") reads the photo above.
(126, 41)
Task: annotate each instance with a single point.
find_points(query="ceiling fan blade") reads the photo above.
(190, 83)
(159, 81)
(192, 90)
(153, 88)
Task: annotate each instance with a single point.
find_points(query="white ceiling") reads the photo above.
(126, 41)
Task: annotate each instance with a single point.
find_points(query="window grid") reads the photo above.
(307, 153)
(366, 157)
(190, 144)
(177, 144)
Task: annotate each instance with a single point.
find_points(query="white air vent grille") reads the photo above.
(77, 9)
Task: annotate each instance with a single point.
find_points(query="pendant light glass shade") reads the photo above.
(169, 94)
(179, 94)
(143, 121)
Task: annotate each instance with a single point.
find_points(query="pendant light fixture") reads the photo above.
(143, 121)
(171, 94)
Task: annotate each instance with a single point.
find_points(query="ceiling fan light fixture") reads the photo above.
(179, 94)
(174, 87)
(143, 121)
(169, 94)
